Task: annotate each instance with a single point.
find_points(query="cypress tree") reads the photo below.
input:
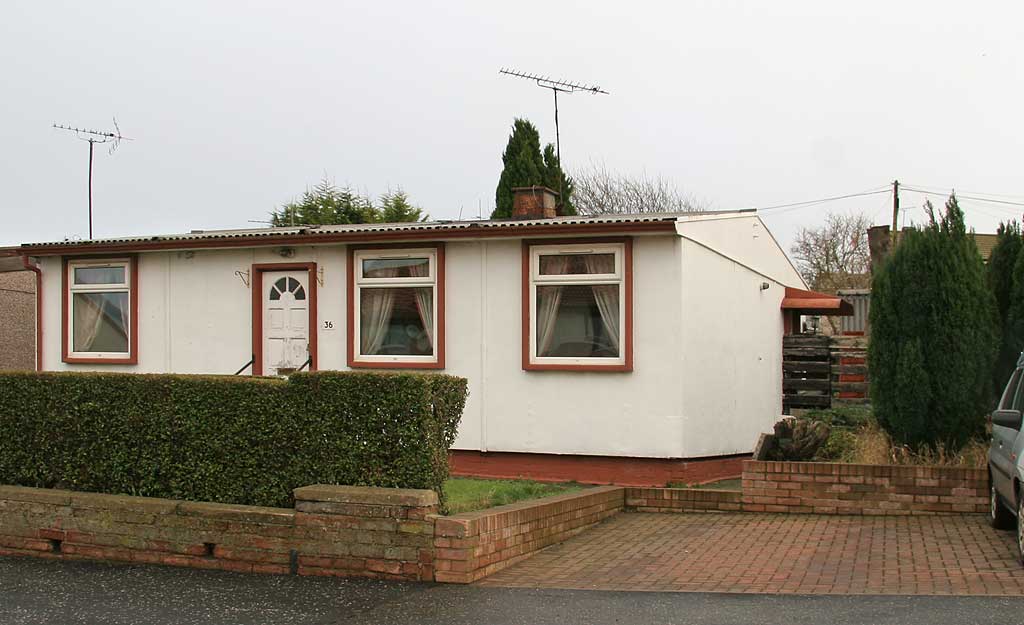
(1001, 266)
(1013, 331)
(524, 166)
(934, 336)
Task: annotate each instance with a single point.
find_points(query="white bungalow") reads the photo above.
(635, 349)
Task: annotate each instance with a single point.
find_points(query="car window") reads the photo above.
(1010, 395)
(1018, 399)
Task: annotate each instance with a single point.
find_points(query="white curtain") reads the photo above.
(375, 309)
(88, 320)
(606, 295)
(122, 304)
(549, 298)
(424, 300)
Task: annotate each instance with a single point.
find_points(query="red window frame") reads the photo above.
(133, 302)
(439, 346)
(627, 280)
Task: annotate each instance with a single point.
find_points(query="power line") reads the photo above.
(986, 210)
(976, 198)
(824, 200)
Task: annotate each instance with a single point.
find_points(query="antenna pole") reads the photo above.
(93, 137)
(558, 150)
(91, 144)
(555, 86)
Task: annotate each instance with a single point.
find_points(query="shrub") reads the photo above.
(848, 416)
(933, 337)
(841, 446)
(227, 439)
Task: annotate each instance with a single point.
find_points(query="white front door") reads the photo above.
(285, 320)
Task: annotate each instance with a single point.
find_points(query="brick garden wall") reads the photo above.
(476, 544)
(682, 500)
(827, 488)
(333, 530)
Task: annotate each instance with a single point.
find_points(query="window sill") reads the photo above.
(622, 368)
(86, 360)
(394, 364)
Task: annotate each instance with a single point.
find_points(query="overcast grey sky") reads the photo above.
(236, 108)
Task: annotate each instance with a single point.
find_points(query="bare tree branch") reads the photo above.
(598, 191)
(835, 255)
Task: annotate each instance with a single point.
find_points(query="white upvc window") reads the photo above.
(99, 302)
(577, 306)
(395, 304)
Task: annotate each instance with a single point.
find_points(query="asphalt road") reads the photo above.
(66, 593)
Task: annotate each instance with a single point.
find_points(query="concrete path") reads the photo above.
(42, 592)
(776, 553)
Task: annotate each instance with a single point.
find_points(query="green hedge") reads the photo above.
(227, 439)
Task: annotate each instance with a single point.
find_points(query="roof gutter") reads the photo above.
(27, 262)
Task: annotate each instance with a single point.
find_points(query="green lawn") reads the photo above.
(469, 494)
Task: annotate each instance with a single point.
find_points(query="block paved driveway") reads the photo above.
(779, 553)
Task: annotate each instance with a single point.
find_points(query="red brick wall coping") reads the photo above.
(476, 544)
(333, 530)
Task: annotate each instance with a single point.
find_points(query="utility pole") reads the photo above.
(92, 137)
(555, 86)
(895, 209)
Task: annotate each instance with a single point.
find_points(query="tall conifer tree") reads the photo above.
(933, 336)
(525, 165)
(1001, 266)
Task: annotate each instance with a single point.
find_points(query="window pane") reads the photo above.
(575, 264)
(396, 321)
(578, 321)
(396, 267)
(1011, 391)
(100, 322)
(99, 275)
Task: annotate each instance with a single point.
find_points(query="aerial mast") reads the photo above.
(92, 137)
(556, 87)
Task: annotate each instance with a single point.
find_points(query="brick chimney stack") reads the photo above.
(534, 202)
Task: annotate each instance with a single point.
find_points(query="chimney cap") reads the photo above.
(535, 187)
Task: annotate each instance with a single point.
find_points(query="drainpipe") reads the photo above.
(27, 262)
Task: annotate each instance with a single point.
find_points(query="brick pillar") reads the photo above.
(376, 532)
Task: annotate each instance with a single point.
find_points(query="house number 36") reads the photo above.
(328, 325)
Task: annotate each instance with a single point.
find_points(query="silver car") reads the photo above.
(1005, 459)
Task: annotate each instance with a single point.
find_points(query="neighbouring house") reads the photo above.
(637, 349)
(17, 313)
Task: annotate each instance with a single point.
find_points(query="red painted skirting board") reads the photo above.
(621, 471)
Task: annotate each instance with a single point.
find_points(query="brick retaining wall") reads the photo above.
(333, 530)
(476, 544)
(682, 500)
(827, 488)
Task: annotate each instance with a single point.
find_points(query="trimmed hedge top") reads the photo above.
(227, 439)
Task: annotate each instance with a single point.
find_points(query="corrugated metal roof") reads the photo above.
(398, 229)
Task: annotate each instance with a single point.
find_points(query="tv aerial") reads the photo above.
(93, 137)
(556, 87)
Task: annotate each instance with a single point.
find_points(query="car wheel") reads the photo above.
(999, 516)
(1020, 530)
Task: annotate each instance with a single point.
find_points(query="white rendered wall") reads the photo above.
(731, 353)
(707, 345)
(744, 238)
